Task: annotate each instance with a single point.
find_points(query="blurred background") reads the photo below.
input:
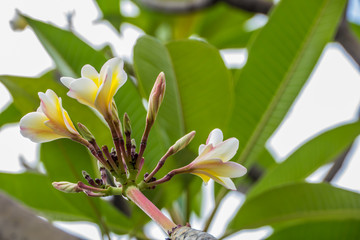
(329, 98)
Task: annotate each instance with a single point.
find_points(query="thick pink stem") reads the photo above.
(150, 209)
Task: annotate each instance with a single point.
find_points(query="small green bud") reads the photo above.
(182, 142)
(156, 97)
(67, 187)
(127, 124)
(85, 132)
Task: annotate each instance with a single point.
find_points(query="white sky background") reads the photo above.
(330, 97)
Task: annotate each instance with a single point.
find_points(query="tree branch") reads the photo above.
(348, 40)
(338, 163)
(254, 6)
(178, 7)
(17, 223)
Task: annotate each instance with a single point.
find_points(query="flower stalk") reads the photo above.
(136, 196)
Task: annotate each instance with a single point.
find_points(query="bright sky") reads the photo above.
(330, 97)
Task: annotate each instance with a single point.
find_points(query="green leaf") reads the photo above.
(330, 230)
(309, 157)
(111, 11)
(198, 96)
(24, 90)
(36, 191)
(280, 61)
(150, 58)
(64, 160)
(10, 115)
(204, 85)
(68, 51)
(297, 203)
(229, 32)
(356, 29)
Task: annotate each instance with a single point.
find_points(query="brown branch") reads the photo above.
(348, 40)
(187, 233)
(254, 6)
(338, 163)
(178, 7)
(17, 222)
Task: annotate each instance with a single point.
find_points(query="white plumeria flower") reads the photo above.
(49, 122)
(97, 90)
(213, 160)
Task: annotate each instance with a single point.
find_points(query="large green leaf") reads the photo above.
(297, 203)
(111, 11)
(329, 230)
(9, 115)
(35, 191)
(224, 26)
(64, 160)
(67, 50)
(150, 58)
(204, 85)
(309, 157)
(280, 60)
(198, 96)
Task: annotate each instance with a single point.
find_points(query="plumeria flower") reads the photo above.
(49, 122)
(97, 89)
(213, 160)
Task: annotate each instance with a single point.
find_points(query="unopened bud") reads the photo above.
(127, 124)
(85, 132)
(18, 23)
(182, 142)
(114, 111)
(67, 187)
(156, 97)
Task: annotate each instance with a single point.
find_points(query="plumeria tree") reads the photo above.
(136, 131)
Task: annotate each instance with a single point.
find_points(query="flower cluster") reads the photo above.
(97, 90)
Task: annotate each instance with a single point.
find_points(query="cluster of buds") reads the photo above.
(120, 166)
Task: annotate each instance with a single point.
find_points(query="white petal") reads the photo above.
(32, 126)
(201, 148)
(90, 72)
(102, 98)
(50, 105)
(224, 150)
(215, 137)
(219, 168)
(226, 182)
(84, 90)
(67, 81)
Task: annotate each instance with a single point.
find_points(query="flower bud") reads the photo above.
(127, 124)
(18, 23)
(156, 97)
(67, 187)
(182, 142)
(85, 132)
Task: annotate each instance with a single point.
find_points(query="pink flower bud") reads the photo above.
(156, 97)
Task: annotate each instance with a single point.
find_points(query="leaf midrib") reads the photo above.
(314, 215)
(281, 89)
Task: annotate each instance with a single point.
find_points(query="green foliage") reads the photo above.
(70, 57)
(201, 94)
(295, 203)
(280, 60)
(331, 230)
(309, 157)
